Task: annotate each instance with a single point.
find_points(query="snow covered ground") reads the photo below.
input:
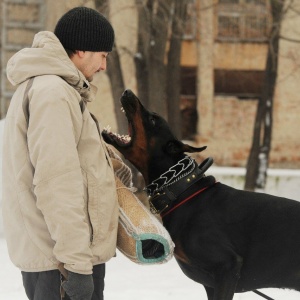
(128, 281)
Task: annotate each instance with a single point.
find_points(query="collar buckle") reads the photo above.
(158, 203)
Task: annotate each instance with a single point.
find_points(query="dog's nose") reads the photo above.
(127, 93)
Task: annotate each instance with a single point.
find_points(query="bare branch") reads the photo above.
(289, 39)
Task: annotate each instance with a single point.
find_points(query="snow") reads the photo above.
(128, 281)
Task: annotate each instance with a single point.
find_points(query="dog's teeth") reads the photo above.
(122, 109)
(107, 129)
(125, 138)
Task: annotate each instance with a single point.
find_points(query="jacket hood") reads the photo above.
(47, 57)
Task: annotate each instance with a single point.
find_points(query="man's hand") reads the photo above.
(78, 286)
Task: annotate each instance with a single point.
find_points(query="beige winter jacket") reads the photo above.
(59, 193)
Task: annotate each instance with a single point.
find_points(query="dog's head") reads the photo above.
(150, 144)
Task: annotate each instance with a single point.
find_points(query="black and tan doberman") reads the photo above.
(229, 240)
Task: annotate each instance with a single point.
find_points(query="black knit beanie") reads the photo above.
(85, 29)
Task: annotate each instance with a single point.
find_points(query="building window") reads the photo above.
(239, 83)
(188, 102)
(191, 21)
(243, 20)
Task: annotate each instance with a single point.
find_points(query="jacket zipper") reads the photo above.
(90, 221)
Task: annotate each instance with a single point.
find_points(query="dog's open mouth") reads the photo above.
(118, 140)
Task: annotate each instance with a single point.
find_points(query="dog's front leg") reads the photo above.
(210, 292)
(227, 277)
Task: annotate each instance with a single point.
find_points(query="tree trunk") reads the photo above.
(157, 50)
(142, 58)
(258, 160)
(150, 60)
(114, 72)
(174, 68)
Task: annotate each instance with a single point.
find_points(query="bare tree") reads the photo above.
(114, 73)
(258, 160)
(154, 19)
(157, 59)
(173, 67)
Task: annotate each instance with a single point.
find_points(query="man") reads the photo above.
(59, 195)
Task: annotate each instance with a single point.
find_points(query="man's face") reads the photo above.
(91, 63)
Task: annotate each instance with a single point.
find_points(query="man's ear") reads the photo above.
(177, 147)
(80, 53)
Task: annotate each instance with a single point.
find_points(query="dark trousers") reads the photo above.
(46, 285)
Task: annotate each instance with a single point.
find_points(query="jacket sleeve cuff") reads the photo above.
(80, 269)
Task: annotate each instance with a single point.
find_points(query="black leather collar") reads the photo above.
(162, 198)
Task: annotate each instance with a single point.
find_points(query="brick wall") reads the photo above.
(231, 132)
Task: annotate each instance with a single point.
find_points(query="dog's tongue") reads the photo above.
(129, 130)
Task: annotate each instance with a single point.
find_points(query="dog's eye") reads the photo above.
(152, 120)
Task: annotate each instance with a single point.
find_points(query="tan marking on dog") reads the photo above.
(138, 155)
(179, 253)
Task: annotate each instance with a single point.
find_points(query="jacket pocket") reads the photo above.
(36, 233)
(102, 207)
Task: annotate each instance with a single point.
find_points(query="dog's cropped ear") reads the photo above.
(190, 149)
(177, 147)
